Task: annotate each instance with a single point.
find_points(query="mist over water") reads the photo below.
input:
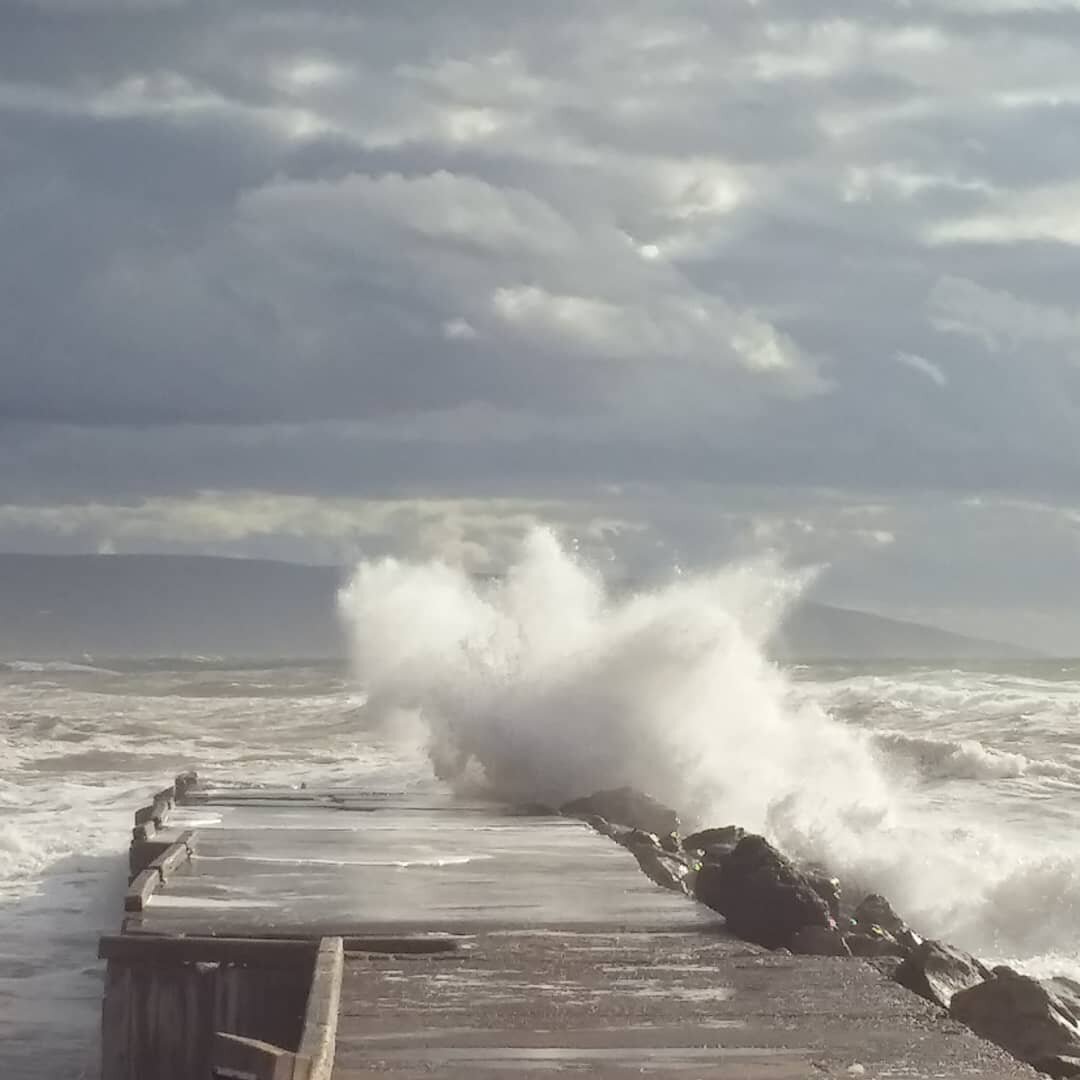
(543, 685)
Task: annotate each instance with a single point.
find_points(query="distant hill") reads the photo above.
(55, 606)
(820, 632)
(166, 605)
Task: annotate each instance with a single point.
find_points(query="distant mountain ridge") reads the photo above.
(65, 606)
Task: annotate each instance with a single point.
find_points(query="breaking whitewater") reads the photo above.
(955, 792)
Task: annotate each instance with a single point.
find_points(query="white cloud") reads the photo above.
(1047, 213)
(459, 330)
(925, 367)
(998, 318)
(696, 330)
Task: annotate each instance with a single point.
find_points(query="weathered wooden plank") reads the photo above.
(403, 946)
(143, 832)
(315, 1054)
(116, 1019)
(136, 948)
(234, 1057)
(170, 860)
(141, 889)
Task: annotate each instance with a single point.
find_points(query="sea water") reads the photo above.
(955, 790)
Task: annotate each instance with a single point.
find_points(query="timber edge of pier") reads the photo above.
(230, 1008)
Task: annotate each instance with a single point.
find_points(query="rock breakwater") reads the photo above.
(768, 899)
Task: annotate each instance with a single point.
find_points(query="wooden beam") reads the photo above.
(141, 889)
(139, 948)
(234, 1057)
(413, 946)
(142, 833)
(318, 1041)
(170, 860)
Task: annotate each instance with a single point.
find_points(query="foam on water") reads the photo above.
(965, 759)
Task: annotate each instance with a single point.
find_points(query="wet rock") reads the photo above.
(819, 941)
(1025, 1017)
(828, 888)
(721, 840)
(761, 894)
(1067, 990)
(603, 827)
(875, 910)
(937, 971)
(625, 806)
(872, 941)
(662, 867)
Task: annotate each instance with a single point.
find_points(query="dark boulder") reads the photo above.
(761, 894)
(828, 888)
(819, 941)
(937, 971)
(1065, 989)
(721, 840)
(1025, 1017)
(660, 866)
(625, 806)
(603, 827)
(873, 941)
(875, 910)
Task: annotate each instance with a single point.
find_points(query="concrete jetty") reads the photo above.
(309, 934)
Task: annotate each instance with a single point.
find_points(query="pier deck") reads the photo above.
(479, 944)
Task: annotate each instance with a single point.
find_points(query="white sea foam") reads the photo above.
(964, 759)
(37, 667)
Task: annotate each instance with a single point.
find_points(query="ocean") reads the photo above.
(954, 790)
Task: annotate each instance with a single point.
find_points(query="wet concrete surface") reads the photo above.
(385, 863)
(681, 1004)
(568, 961)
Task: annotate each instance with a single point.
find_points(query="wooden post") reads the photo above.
(234, 1057)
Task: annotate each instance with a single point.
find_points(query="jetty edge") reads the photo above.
(275, 932)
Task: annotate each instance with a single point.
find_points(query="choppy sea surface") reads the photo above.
(970, 823)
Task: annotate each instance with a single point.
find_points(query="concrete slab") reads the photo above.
(663, 1005)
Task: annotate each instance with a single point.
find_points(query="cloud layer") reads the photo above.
(626, 265)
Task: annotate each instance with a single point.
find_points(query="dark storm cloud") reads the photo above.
(624, 258)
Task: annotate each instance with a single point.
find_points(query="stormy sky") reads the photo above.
(690, 280)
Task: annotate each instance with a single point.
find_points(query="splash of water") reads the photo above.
(542, 685)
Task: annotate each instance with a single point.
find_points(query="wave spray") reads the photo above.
(542, 685)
